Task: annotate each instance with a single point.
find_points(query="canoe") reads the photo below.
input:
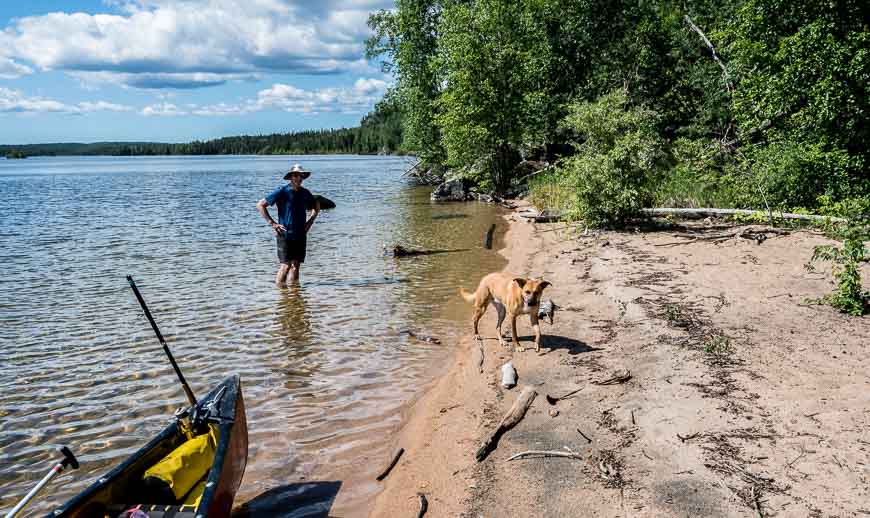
(192, 468)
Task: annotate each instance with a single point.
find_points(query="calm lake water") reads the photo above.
(327, 367)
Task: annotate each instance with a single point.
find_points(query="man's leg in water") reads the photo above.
(281, 276)
(294, 271)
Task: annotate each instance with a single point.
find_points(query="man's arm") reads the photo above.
(313, 216)
(262, 208)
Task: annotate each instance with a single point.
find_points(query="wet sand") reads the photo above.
(743, 400)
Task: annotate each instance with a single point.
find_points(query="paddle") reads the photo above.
(68, 460)
(190, 397)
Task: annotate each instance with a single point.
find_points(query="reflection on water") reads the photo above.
(327, 367)
(293, 319)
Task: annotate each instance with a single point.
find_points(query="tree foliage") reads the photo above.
(757, 103)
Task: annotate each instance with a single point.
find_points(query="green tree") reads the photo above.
(495, 99)
(406, 39)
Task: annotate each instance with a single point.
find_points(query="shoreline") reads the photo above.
(735, 406)
(445, 416)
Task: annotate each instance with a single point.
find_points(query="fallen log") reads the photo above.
(514, 416)
(715, 213)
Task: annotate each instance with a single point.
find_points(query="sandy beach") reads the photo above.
(709, 387)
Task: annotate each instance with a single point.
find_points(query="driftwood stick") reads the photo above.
(487, 240)
(424, 505)
(412, 168)
(514, 416)
(617, 377)
(389, 468)
(544, 453)
(553, 400)
(713, 213)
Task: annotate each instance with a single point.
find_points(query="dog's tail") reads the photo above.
(469, 297)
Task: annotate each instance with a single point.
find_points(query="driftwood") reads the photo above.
(544, 453)
(413, 168)
(715, 213)
(544, 216)
(514, 416)
(422, 338)
(617, 378)
(424, 505)
(753, 234)
(401, 251)
(553, 400)
(487, 241)
(393, 462)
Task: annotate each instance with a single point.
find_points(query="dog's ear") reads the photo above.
(520, 281)
(544, 284)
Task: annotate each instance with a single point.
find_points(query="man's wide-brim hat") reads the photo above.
(297, 169)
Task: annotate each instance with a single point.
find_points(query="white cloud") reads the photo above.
(11, 70)
(362, 97)
(162, 110)
(358, 99)
(14, 101)
(102, 106)
(194, 43)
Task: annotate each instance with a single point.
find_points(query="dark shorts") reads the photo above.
(290, 248)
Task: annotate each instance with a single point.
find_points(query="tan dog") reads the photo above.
(510, 295)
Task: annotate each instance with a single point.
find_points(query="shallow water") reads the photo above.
(327, 367)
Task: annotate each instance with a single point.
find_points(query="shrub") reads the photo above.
(618, 158)
(849, 297)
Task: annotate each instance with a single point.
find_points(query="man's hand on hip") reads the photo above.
(278, 228)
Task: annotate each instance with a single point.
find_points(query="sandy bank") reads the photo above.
(743, 401)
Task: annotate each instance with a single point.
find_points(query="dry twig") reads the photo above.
(544, 453)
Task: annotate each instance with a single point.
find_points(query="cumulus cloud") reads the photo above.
(14, 101)
(195, 43)
(364, 94)
(162, 110)
(11, 70)
(357, 99)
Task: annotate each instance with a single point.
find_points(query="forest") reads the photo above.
(379, 132)
(759, 104)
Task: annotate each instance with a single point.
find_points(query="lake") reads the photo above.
(328, 367)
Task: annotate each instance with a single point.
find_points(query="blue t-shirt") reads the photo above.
(292, 206)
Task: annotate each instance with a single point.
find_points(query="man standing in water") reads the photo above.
(291, 229)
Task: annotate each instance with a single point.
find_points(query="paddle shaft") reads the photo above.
(190, 397)
(68, 459)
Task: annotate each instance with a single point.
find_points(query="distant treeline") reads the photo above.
(379, 132)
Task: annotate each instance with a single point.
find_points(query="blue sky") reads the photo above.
(180, 70)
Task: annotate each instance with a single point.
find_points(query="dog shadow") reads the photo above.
(301, 500)
(552, 342)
